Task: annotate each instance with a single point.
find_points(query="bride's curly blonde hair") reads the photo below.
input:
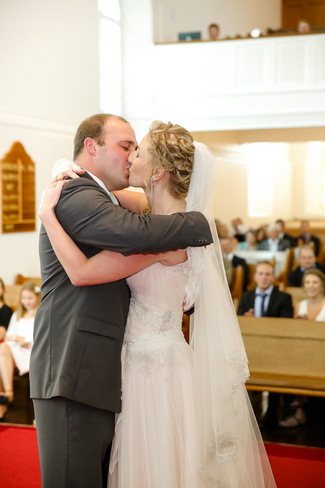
(173, 149)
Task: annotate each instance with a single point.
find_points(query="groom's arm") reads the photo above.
(89, 217)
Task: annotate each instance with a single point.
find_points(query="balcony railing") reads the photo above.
(241, 84)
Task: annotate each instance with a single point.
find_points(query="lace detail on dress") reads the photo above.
(212, 481)
(160, 322)
(225, 447)
(160, 359)
(238, 364)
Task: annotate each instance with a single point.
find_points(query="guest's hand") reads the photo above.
(250, 313)
(15, 338)
(301, 316)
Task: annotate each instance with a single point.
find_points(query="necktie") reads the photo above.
(263, 296)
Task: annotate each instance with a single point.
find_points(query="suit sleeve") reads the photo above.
(293, 278)
(287, 307)
(91, 219)
(243, 305)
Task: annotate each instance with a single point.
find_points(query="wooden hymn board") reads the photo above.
(17, 174)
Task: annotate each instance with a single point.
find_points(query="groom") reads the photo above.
(75, 369)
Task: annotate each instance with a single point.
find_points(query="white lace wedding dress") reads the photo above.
(155, 444)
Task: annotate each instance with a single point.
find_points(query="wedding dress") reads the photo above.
(155, 441)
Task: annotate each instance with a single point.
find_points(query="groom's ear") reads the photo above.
(90, 146)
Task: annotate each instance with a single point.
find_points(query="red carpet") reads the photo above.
(19, 466)
(297, 467)
(293, 467)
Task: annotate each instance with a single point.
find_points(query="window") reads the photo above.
(110, 57)
(267, 171)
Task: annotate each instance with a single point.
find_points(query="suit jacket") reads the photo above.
(282, 246)
(295, 276)
(237, 261)
(280, 304)
(78, 331)
(290, 238)
(313, 239)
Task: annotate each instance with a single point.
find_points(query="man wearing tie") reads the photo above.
(266, 301)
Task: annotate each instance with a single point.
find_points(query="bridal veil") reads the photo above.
(231, 449)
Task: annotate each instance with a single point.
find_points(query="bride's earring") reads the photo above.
(151, 186)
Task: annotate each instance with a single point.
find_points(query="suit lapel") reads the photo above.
(271, 301)
(252, 299)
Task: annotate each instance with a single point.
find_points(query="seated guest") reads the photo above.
(273, 241)
(5, 312)
(266, 301)
(306, 260)
(227, 246)
(249, 243)
(303, 27)
(238, 230)
(16, 348)
(222, 229)
(283, 235)
(261, 234)
(312, 308)
(306, 237)
(213, 32)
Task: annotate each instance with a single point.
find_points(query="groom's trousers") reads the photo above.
(73, 442)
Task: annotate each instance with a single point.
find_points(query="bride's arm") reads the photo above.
(105, 267)
(134, 201)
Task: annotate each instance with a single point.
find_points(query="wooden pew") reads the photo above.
(285, 355)
(12, 295)
(297, 294)
(20, 279)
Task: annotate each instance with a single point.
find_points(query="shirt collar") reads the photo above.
(110, 194)
(304, 269)
(267, 292)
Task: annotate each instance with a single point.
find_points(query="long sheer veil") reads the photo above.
(231, 450)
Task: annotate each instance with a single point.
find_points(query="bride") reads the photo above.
(186, 420)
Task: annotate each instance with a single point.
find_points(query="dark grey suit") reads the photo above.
(79, 330)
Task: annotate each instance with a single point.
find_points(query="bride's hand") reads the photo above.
(64, 169)
(70, 173)
(50, 198)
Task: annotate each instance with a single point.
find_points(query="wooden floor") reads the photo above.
(310, 434)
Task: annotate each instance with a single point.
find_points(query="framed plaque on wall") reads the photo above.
(17, 173)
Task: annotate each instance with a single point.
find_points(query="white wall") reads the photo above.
(48, 84)
(235, 17)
